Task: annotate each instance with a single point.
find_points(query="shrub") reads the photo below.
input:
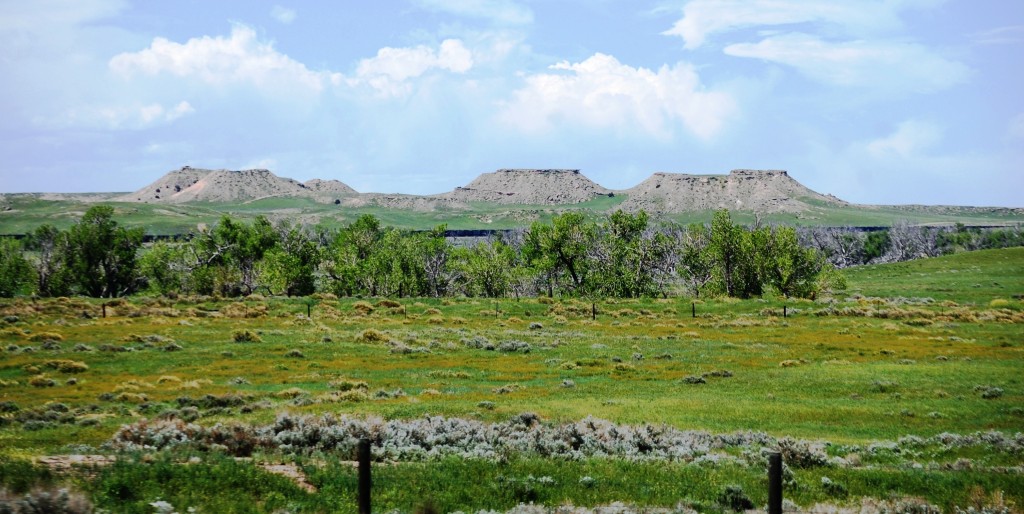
(45, 336)
(246, 336)
(999, 303)
(290, 393)
(349, 385)
(694, 379)
(47, 502)
(989, 392)
(536, 326)
(514, 346)
(362, 308)
(67, 366)
(545, 300)
(41, 381)
(507, 388)
(390, 304)
(295, 354)
(432, 312)
(733, 498)
(372, 335)
(486, 405)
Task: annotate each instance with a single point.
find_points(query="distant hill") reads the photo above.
(530, 187)
(766, 191)
(187, 198)
(202, 185)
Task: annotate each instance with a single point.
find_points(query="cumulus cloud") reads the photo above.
(500, 11)
(238, 59)
(603, 93)
(283, 14)
(391, 69)
(878, 64)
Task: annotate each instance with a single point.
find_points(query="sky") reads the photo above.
(875, 101)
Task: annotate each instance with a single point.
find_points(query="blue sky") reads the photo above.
(875, 101)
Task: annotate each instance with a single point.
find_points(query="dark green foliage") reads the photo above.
(101, 256)
(876, 245)
(16, 273)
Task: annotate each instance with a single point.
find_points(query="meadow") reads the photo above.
(903, 391)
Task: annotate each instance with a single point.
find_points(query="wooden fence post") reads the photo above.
(693, 310)
(774, 483)
(593, 311)
(363, 456)
(784, 311)
(104, 309)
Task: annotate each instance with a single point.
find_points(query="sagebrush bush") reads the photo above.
(246, 336)
(67, 366)
(45, 336)
(372, 335)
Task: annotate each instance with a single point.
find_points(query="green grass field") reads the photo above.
(21, 213)
(918, 349)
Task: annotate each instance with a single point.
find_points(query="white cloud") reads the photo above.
(283, 14)
(238, 59)
(121, 117)
(702, 18)
(875, 64)
(601, 92)
(500, 11)
(390, 70)
(911, 139)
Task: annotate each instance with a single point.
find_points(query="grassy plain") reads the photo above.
(912, 349)
(23, 213)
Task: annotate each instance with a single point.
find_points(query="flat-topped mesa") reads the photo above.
(532, 170)
(765, 191)
(529, 187)
(758, 173)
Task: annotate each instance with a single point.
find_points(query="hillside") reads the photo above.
(530, 187)
(978, 277)
(765, 191)
(189, 184)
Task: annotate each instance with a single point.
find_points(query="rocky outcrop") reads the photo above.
(530, 187)
(766, 191)
(203, 185)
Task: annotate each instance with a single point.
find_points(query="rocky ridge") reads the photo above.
(767, 191)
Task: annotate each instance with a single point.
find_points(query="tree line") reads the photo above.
(623, 255)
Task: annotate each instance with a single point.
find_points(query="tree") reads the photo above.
(290, 266)
(488, 268)
(162, 266)
(726, 247)
(50, 247)
(101, 256)
(16, 273)
(561, 249)
(632, 256)
(695, 257)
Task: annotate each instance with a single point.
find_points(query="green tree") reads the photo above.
(16, 273)
(727, 247)
(290, 266)
(488, 268)
(162, 266)
(562, 250)
(50, 247)
(101, 256)
(696, 260)
(632, 256)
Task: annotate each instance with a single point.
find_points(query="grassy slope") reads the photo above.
(28, 212)
(975, 277)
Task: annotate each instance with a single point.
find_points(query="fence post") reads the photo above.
(363, 456)
(693, 310)
(784, 311)
(593, 311)
(774, 483)
(104, 309)
(309, 311)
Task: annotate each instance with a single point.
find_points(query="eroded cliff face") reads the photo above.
(752, 190)
(530, 187)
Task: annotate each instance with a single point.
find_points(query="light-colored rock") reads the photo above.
(530, 187)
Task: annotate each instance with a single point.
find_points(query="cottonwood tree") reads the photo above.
(16, 273)
(560, 250)
(49, 246)
(101, 256)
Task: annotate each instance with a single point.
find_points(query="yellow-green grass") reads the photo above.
(828, 394)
